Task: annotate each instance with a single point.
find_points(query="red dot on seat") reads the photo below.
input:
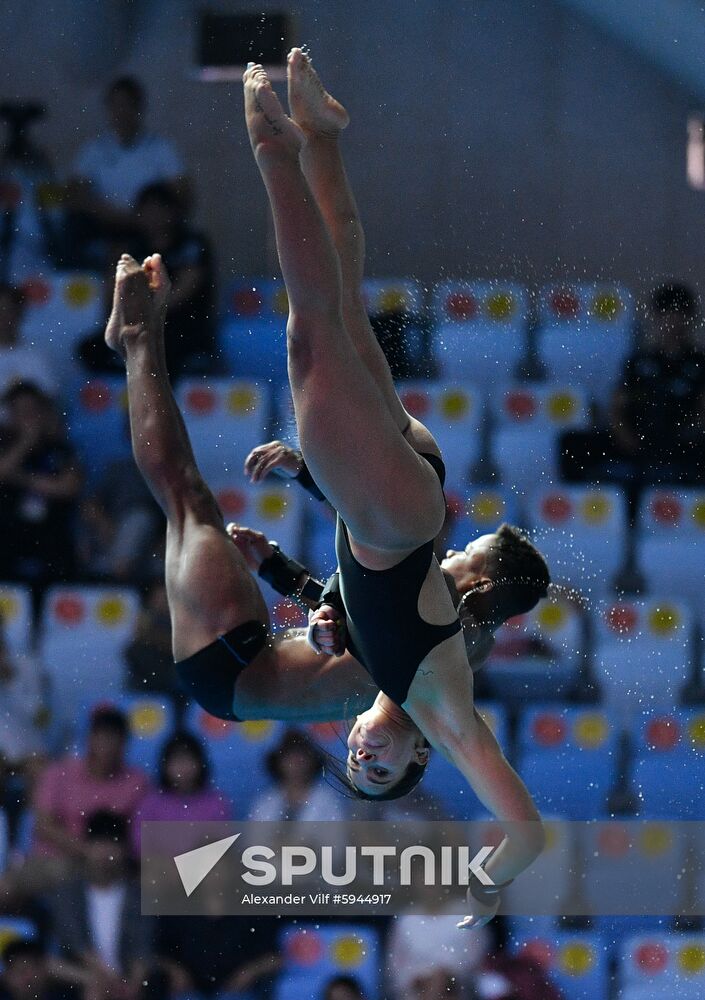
(200, 401)
(69, 610)
(613, 841)
(666, 509)
(36, 291)
(460, 305)
(622, 618)
(417, 403)
(305, 948)
(95, 397)
(565, 303)
(520, 405)
(663, 734)
(548, 730)
(556, 508)
(232, 502)
(247, 302)
(651, 957)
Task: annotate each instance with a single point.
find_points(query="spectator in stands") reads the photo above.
(656, 431)
(343, 988)
(101, 935)
(111, 169)
(423, 949)
(19, 362)
(68, 790)
(184, 790)
(119, 523)
(149, 656)
(23, 710)
(160, 225)
(299, 793)
(30, 973)
(40, 481)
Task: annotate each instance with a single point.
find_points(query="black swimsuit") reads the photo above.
(385, 631)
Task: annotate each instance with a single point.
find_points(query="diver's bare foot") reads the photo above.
(138, 299)
(269, 128)
(312, 107)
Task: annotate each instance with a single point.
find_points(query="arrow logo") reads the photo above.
(193, 866)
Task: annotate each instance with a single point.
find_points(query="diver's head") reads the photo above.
(498, 575)
(387, 753)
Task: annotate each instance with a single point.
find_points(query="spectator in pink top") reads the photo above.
(69, 790)
(184, 789)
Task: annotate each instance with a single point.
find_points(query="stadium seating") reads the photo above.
(274, 507)
(642, 653)
(671, 543)
(477, 510)
(312, 955)
(237, 752)
(452, 411)
(84, 631)
(63, 307)
(585, 334)
(537, 656)
(16, 617)
(98, 423)
(567, 757)
(653, 966)
(480, 331)
(581, 532)
(225, 420)
(527, 422)
(576, 962)
(252, 336)
(669, 759)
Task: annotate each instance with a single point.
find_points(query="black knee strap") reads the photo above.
(210, 675)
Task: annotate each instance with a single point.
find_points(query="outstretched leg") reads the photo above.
(322, 119)
(209, 586)
(348, 434)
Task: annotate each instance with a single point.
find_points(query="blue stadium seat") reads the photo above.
(581, 531)
(576, 962)
(669, 762)
(312, 955)
(237, 752)
(225, 419)
(527, 422)
(567, 757)
(98, 422)
(663, 965)
(480, 331)
(671, 543)
(16, 617)
(252, 337)
(585, 334)
(642, 652)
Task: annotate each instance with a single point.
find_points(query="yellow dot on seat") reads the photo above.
(500, 306)
(146, 719)
(696, 731)
(110, 611)
(655, 839)
(7, 934)
(393, 300)
(241, 400)
(596, 508)
(561, 406)
(256, 730)
(551, 616)
(691, 959)
(606, 306)
(576, 959)
(347, 951)
(454, 404)
(486, 508)
(698, 513)
(9, 607)
(591, 730)
(664, 619)
(280, 303)
(272, 506)
(79, 292)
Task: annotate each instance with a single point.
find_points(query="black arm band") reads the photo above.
(283, 573)
(486, 893)
(305, 479)
(331, 594)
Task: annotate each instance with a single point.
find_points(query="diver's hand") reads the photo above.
(269, 457)
(326, 630)
(252, 544)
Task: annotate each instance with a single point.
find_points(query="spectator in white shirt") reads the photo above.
(113, 168)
